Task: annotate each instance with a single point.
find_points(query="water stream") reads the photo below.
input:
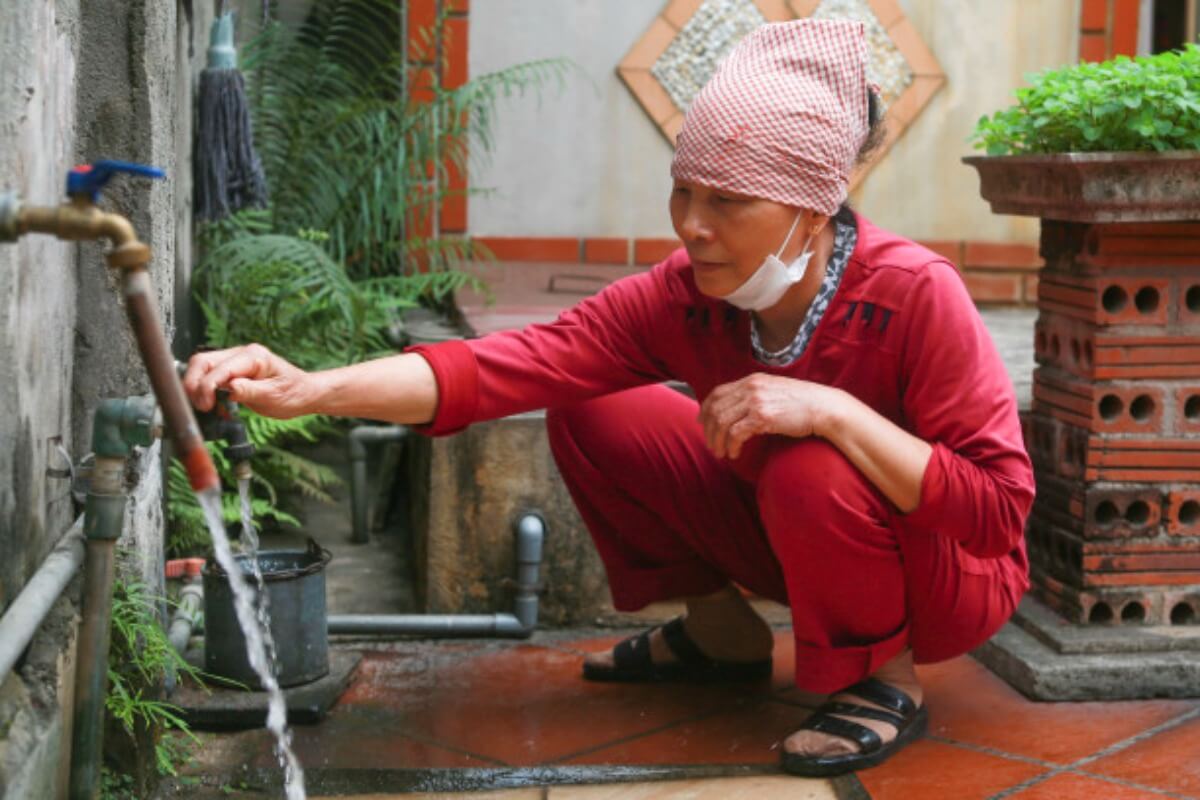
(249, 532)
(250, 547)
(256, 644)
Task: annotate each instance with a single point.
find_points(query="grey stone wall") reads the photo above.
(467, 490)
(79, 80)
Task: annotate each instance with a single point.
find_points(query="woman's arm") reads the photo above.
(961, 472)
(399, 389)
(603, 344)
(891, 458)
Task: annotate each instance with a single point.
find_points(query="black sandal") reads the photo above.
(909, 720)
(632, 664)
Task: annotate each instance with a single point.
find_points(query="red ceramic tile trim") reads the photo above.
(999, 255)
(454, 52)
(950, 250)
(1092, 47)
(994, 273)
(422, 16)
(993, 288)
(1125, 27)
(422, 86)
(651, 251)
(1093, 16)
(606, 251)
(453, 217)
(531, 248)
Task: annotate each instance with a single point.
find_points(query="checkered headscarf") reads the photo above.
(783, 117)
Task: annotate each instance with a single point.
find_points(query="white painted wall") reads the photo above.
(922, 189)
(583, 162)
(589, 162)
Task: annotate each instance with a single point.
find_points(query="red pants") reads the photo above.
(670, 520)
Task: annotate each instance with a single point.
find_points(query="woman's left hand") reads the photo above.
(761, 404)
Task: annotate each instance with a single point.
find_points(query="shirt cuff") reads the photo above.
(929, 514)
(457, 375)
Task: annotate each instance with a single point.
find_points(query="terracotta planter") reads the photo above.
(1093, 187)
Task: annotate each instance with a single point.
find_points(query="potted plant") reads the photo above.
(1112, 142)
(1108, 156)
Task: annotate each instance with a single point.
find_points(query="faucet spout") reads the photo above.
(80, 219)
(225, 422)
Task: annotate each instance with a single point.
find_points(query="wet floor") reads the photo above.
(482, 716)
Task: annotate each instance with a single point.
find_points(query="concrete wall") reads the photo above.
(589, 162)
(583, 162)
(921, 188)
(81, 81)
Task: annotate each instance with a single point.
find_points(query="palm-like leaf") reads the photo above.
(346, 147)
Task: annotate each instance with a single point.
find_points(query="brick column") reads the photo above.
(437, 34)
(1115, 427)
(1107, 28)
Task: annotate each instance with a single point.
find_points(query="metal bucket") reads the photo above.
(295, 585)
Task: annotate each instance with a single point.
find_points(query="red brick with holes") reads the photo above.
(1115, 423)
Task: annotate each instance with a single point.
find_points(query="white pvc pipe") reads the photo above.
(25, 615)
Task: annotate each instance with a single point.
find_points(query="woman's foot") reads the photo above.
(722, 625)
(898, 674)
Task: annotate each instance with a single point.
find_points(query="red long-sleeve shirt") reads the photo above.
(901, 334)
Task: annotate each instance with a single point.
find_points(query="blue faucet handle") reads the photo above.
(89, 179)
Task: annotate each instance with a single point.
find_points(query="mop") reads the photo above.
(228, 172)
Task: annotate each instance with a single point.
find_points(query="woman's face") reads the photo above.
(728, 235)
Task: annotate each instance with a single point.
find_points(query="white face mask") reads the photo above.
(768, 283)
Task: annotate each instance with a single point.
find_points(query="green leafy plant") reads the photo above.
(358, 145)
(140, 657)
(1149, 103)
(359, 142)
(289, 294)
(275, 468)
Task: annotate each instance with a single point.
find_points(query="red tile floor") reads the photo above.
(489, 707)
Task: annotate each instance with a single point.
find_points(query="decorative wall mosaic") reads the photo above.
(680, 50)
(888, 68)
(692, 57)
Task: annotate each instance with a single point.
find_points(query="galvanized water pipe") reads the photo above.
(26, 613)
(80, 219)
(356, 444)
(119, 426)
(530, 530)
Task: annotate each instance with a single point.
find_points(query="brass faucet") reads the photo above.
(80, 218)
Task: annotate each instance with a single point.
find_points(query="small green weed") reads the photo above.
(140, 656)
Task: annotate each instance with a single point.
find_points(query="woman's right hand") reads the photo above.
(255, 378)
